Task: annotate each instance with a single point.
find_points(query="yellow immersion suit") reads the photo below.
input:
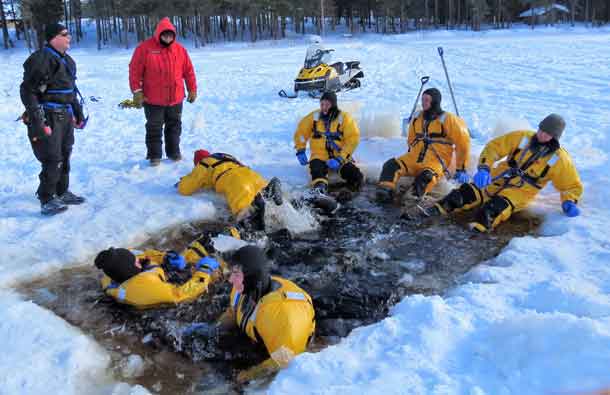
(283, 319)
(238, 183)
(339, 140)
(150, 288)
(430, 146)
(520, 176)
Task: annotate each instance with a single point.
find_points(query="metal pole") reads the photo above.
(405, 129)
(440, 52)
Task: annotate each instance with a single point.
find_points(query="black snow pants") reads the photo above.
(156, 117)
(53, 152)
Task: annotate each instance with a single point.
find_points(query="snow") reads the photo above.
(536, 319)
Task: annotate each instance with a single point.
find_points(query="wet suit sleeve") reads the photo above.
(263, 369)
(200, 177)
(76, 104)
(171, 293)
(151, 289)
(36, 71)
(500, 147)
(411, 134)
(458, 134)
(565, 178)
(351, 135)
(303, 132)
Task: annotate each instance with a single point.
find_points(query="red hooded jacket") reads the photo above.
(160, 70)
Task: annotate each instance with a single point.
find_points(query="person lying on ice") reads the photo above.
(154, 278)
(273, 312)
(244, 189)
(512, 170)
(434, 136)
(333, 136)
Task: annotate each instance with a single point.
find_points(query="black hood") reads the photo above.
(255, 266)
(334, 109)
(435, 108)
(117, 263)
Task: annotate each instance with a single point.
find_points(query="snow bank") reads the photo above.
(43, 354)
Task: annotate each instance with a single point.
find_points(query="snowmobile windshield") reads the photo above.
(317, 57)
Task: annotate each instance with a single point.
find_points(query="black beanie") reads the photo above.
(554, 125)
(52, 30)
(117, 263)
(255, 266)
(331, 97)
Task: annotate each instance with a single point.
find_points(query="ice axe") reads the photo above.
(440, 53)
(424, 81)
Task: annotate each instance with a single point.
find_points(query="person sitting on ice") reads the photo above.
(272, 311)
(434, 136)
(245, 190)
(512, 169)
(155, 278)
(333, 136)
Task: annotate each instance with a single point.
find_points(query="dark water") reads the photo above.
(362, 261)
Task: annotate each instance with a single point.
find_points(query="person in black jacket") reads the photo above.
(53, 109)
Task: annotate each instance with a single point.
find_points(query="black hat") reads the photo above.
(117, 263)
(554, 125)
(52, 30)
(331, 97)
(255, 266)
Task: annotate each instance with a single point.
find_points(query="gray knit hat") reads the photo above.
(554, 125)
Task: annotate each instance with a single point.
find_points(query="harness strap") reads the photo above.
(197, 251)
(72, 73)
(520, 171)
(429, 139)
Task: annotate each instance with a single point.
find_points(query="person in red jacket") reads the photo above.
(158, 70)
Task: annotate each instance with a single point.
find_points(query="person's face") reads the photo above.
(61, 42)
(167, 37)
(237, 279)
(543, 136)
(325, 106)
(426, 102)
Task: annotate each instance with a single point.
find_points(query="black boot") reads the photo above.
(421, 182)
(70, 198)
(384, 195)
(53, 207)
(273, 191)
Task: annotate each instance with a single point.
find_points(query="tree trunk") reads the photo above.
(6, 37)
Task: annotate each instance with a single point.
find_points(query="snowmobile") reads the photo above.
(319, 75)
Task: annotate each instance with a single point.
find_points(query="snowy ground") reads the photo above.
(534, 320)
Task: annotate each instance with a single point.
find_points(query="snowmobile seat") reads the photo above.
(353, 64)
(339, 66)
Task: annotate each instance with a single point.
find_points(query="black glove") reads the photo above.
(37, 124)
(79, 117)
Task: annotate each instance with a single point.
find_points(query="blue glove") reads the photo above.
(302, 157)
(461, 176)
(570, 209)
(207, 265)
(482, 178)
(175, 260)
(335, 163)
